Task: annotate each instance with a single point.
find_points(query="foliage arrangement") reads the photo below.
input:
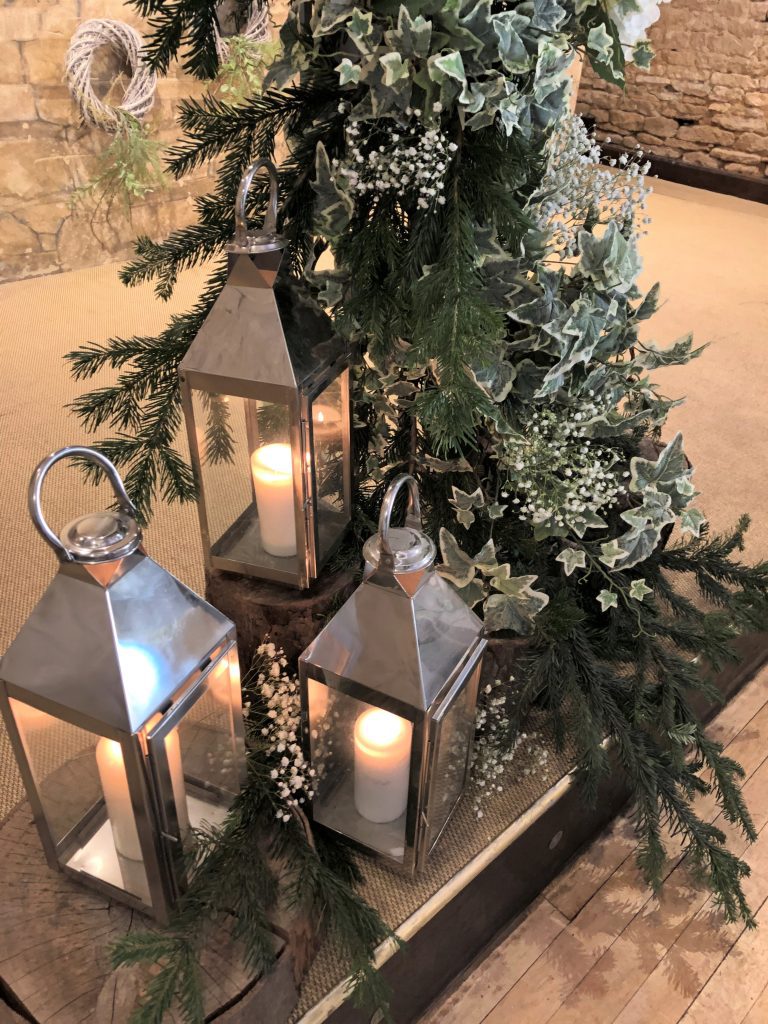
(486, 264)
(241, 74)
(128, 170)
(241, 871)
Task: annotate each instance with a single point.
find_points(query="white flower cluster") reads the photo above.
(632, 24)
(389, 158)
(577, 189)
(493, 751)
(292, 775)
(560, 471)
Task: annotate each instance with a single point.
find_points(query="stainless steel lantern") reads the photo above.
(265, 386)
(389, 689)
(121, 695)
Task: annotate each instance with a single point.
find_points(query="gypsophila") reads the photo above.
(279, 725)
(390, 158)
(578, 189)
(558, 474)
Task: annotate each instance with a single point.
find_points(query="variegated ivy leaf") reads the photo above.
(496, 511)
(651, 358)
(333, 208)
(642, 55)
(447, 65)
(611, 553)
(650, 303)
(547, 15)
(610, 260)
(459, 567)
(330, 13)
(572, 558)
(600, 42)
(663, 474)
(691, 521)
(412, 36)
(608, 599)
(550, 65)
(395, 69)
(485, 559)
(638, 590)
(465, 517)
(656, 510)
(512, 51)
(685, 487)
(515, 607)
(638, 545)
(586, 520)
(361, 31)
(349, 73)
(463, 500)
(495, 380)
(473, 593)
(459, 465)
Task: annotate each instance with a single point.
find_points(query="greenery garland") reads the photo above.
(487, 266)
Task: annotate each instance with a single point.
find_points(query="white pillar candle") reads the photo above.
(114, 783)
(326, 422)
(382, 765)
(272, 468)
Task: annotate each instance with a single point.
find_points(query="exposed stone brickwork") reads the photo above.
(45, 152)
(705, 98)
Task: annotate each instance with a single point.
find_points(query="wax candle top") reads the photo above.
(379, 731)
(273, 462)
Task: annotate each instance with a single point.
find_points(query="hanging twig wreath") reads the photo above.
(127, 42)
(256, 31)
(130, 167)
(244, 58)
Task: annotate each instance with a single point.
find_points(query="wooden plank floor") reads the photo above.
(598, 947)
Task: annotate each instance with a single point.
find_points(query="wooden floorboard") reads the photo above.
(599, 948)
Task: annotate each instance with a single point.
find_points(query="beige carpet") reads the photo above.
(706, 249)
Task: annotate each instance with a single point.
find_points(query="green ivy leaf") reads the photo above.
(448, 65)
(395, 69)
(349, 73)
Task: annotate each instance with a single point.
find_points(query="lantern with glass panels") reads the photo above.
(121, 696)
(265, 387)
(389, 690)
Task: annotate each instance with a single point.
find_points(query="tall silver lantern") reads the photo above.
(389, 689)
(121, 695)
(265, 386)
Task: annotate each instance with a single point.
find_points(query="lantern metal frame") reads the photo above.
(249, 348)
(88, 703)
(341, 667)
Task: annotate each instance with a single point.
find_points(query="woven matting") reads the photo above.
(697, 236)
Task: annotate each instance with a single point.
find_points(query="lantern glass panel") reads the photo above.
(247, 469)
(83, 789)
(329, 414)
(362, 758)
(203, 752)
(453, 745)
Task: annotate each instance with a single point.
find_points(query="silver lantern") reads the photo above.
(121, 696)
(389, 690)
(265, 387)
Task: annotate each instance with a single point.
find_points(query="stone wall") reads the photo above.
(45, 152)
(705, 98)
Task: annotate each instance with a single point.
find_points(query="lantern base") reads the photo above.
(290, 618)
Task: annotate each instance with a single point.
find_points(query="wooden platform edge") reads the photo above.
(448, 932)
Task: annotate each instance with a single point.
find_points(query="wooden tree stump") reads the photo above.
(291, 618)
(55, 942)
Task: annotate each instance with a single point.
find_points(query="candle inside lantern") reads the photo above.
(117, 796)
(272, 468)
(382, 765)
(326, 421)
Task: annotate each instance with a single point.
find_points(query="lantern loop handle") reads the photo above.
(36, 485)
(412, 515)
(269, 229)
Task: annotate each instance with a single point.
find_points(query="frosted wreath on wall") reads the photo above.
(256, 30)
(128, 43)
